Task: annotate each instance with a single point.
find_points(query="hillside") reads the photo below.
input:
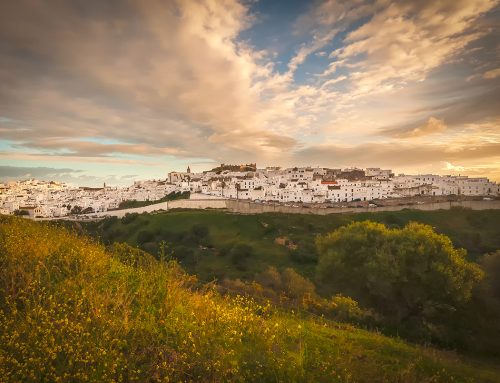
(202, 239)
(71, 311)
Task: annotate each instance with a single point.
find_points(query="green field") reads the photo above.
(70, 310)
(476, 231)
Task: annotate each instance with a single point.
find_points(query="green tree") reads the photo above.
(239, 254)
(491, 265)
(129, 217)
(76, 210)
(405, 274)
(200, 233)
(144, 236)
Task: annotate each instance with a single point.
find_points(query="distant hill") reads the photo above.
(72, 311)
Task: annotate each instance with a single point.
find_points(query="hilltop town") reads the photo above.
(297, 185)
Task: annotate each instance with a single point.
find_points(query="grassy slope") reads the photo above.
(71, 311)
(477, 231)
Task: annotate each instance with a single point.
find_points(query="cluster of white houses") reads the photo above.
(319, 185)
(55, 199)
(289, 185)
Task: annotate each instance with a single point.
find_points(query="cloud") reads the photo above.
(491, 74)
(455, 168)
(151, 74)
(14, 172)
(404, 41)
(319, 41)
(431, 126)
(76, 177)
(83, 148)
(391, 154)
(152, 82)
(477, 158)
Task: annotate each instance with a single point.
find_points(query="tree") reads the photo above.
(304, 253)
(491, 265)
(200, 232)
(144, 236)
(239, 254)
(129, 217)
(405, 274)
(19, 212)
(76, 210)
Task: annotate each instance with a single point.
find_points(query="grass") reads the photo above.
(72, 311)
(476, 231)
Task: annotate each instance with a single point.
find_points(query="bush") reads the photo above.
(296, 286)
(76, 210)
(109, 222)
(185, 255)
(239, 254)
(200, 233)
(129, 218)
(406, 274)
(345, 309)
(304, 254)
(490, 263)
(144, 236)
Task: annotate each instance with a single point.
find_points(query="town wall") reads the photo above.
(248, 207)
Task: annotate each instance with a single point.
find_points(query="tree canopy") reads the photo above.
(405, 274)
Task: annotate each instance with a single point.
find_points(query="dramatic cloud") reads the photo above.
(140, 74)
(405, 40)
(159, 84)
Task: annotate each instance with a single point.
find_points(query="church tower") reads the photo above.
(189, 170)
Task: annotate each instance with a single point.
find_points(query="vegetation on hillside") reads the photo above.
(71, 310)
(256, 255)
(202, 239)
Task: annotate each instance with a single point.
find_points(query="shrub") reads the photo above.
(239, 254)
(405, 274)
(295, 285)
(144, 236)
(490, 263)
(304, 254)
(345, 309)
(271, 279)
(129, 218)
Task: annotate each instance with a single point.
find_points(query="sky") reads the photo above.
(115, 91)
